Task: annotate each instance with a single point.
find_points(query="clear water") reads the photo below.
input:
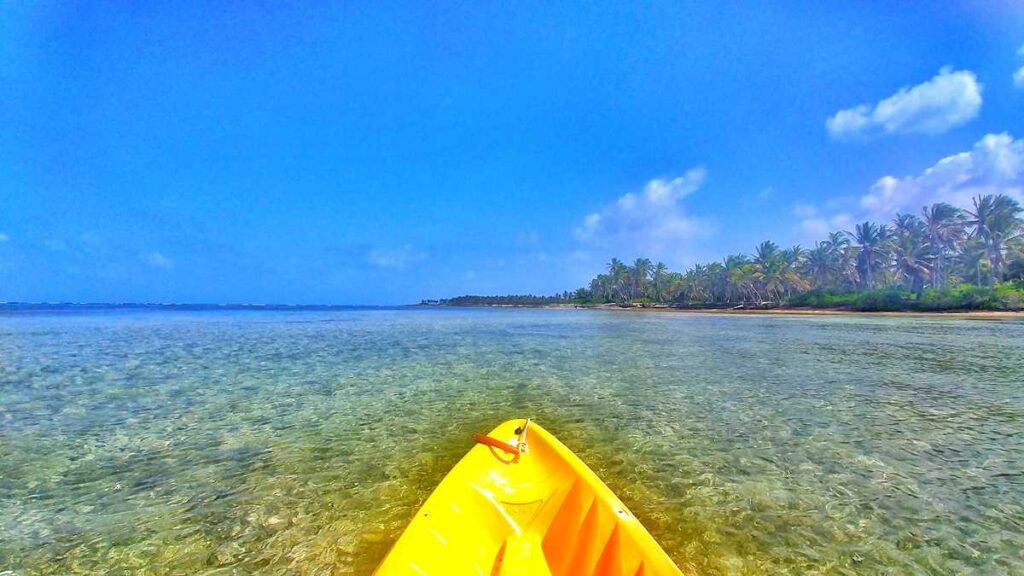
(302, 442)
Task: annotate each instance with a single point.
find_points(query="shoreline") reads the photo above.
(958, 314)
(953, 314)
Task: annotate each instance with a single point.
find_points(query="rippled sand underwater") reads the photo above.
(302, 442)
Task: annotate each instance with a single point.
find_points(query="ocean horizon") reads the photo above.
(194, 306)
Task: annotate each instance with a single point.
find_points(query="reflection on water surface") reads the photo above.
(303, 441)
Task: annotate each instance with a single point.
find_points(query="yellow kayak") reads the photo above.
(522, 503)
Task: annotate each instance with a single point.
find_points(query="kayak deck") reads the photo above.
(538, 512)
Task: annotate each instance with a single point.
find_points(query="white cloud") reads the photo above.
(652, 222)
(994, 165)
(158, 260)
(817, 227)
(805, 210)
(394, 258)
(950, 99)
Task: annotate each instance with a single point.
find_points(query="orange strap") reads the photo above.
(495, 443)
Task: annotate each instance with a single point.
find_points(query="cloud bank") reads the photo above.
(994, 165)
(950, 99)
(158, 260)
(652, 222)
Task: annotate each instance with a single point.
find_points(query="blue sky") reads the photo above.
(369, 153)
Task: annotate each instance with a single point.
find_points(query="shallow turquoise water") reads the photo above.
(301, 442)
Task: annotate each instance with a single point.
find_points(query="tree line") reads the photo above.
(914, 257)
(509, 300)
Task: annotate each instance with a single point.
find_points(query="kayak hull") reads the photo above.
(538, 512)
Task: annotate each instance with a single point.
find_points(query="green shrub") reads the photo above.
(1005, 296)
(823, 299)
(889, 300)
(1011, 295)
(960, 297)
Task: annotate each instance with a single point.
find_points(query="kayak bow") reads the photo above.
(522, 503)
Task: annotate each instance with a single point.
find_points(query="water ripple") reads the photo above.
(282, 442)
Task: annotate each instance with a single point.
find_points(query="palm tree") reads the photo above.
(910, 252)
(638, 277)
(733, 278)
(832, 262)
(695, 284)
(846, 256)
(794, 255)
(792, 261)
(973, 262)
(995, 222)
(873, 241)
(945, 229)
(618, 274)
(767, 270)
(821, 264)
(745, 279)
(765, 253)
(673, 285)
(658, 279)
(599, 288)
(718, 282)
